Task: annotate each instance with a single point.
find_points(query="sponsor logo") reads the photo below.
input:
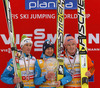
(60, 70)
(6, 50)
(60, 60)
(40, 36)
(48, 4)
(82, 28)
(60, 27)
(9, 68)
(31, 73)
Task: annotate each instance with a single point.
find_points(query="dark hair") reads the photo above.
(47, 44)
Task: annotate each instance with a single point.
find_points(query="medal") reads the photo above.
(72, 71)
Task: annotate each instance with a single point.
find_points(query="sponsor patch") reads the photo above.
(9, 68)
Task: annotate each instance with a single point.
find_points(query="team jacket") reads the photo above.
(40, 75)
(76, 78)
(8, 74)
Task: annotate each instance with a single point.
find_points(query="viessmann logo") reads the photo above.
(48, 4)
(39, 35)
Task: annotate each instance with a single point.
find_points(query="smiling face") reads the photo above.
(71, 48)
(49, 51)
(27, 48)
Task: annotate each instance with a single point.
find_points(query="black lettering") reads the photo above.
(81, 22)
(80, 2)
(81, 42)
(81, 28)
(80, 10)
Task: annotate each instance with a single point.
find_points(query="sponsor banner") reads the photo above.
(48, 4)
(32, 16)
(39, 36)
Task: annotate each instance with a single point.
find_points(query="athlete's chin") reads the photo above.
(28, 52)
(49, 54)
(72, 52)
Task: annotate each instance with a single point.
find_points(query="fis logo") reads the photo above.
(60, 70)
(48, 4)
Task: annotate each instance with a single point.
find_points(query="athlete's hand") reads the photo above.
(50, 75)
(58, 83)
(16, 80)
(88, 74)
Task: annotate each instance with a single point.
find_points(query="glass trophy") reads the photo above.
(51, 65)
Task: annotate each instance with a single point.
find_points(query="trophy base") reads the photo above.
(52, 84)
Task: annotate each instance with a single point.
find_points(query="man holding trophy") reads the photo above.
(46, 67)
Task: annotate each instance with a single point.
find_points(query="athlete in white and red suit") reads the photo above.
(72, 62)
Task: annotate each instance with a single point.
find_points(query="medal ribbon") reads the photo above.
(27, 68)
(72, 64)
